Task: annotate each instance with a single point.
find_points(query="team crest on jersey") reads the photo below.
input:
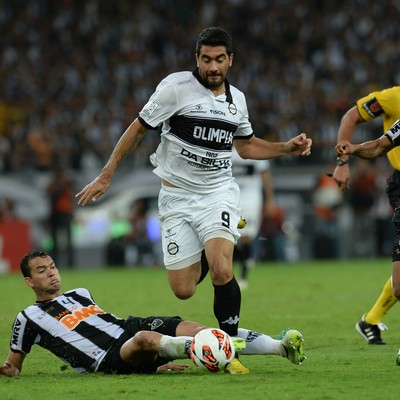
(372, 108)
(232, 108)
(149, 108)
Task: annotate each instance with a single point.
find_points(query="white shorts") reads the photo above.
(189, 220)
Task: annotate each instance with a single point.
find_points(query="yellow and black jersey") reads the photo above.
(385, 104)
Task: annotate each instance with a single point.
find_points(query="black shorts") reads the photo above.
(113, 364)
(393, 189)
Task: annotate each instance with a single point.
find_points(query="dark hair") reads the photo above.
(24, 265)
(214, 36)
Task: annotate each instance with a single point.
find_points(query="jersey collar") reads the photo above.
(228, 93)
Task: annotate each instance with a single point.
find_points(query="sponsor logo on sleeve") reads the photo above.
(149, 108)
(16, 331)
(373, 108)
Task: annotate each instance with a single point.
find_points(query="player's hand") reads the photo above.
(9, 369)
(269, 209)
(300, 145)
(344, 148)
(341, 175)
(172, 367)
(93, 190)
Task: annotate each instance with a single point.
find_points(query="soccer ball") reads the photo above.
(212, 349)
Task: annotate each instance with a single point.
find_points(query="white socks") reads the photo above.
(174, 348)
(258, 343)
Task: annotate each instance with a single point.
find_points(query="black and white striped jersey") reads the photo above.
(71, 326)
(197, 131)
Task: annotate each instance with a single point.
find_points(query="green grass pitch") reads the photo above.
(322, 299)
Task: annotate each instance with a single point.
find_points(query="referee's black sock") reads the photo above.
(227, 300)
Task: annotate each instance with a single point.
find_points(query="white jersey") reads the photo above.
(197, 134)
(247, 172)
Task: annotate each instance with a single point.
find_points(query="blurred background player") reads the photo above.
(257, 201)
(139, 247)
(385, 104)
(60, 191)
(326, 199)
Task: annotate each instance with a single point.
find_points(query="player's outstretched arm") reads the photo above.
(367, 150)
(347, 126)
(259, 149)
(128, 141)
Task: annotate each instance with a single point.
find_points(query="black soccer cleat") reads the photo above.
(371, 333)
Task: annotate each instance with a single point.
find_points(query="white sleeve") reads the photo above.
(262, 165)
(244, 130)
(162, 104)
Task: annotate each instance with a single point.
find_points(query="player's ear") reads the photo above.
(231, 60)
(28, 281)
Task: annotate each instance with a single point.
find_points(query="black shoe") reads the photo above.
(371, 333)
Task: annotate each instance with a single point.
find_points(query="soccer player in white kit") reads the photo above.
(200, 114)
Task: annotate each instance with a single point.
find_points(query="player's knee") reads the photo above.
(183, 283)
(220, 262)
(145, 340)
(221, 276)
(396, 272)
(396, 291)
(395, 260)
(184, 293)
(396, 286)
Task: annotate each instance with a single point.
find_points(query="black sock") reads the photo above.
(204, 266)
(227, 300)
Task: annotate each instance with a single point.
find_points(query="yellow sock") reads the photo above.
(385, 302)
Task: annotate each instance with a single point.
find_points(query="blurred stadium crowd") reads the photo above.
(75, 73)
